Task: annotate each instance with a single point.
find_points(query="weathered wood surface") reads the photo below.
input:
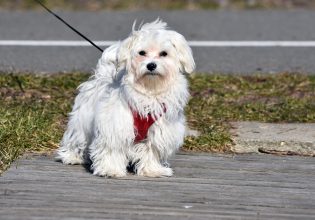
(204, 187)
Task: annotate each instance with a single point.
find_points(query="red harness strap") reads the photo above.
(142, 124)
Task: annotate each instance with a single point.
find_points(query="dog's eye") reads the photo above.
(142, 53)
(163, 54)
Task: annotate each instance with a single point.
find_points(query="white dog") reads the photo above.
(132, 108)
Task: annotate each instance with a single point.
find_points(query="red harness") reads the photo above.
(142, 124)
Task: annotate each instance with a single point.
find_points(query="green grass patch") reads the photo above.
(220, 99)
(33, 109)
(33, 112)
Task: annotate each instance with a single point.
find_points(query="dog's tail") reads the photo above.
(106, 68)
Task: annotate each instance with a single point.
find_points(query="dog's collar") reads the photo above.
(142, 124)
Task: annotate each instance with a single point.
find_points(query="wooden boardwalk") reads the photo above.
(204, 187)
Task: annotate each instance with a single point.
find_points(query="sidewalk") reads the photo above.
(272, 138)
(204, 187)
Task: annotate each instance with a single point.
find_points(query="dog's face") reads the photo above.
(153, 59)
(153, 62)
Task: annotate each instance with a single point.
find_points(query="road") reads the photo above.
(194, 25)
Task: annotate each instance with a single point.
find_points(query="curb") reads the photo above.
(272, 138)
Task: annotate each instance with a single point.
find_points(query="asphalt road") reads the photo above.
(194, 25)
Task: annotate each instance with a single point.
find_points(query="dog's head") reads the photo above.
(153, 56)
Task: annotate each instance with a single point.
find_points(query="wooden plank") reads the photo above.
(204, 187)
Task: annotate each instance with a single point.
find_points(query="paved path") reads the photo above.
(276, 138)
(204, 187)
(195, 25)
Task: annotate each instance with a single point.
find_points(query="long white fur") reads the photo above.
(100, 126)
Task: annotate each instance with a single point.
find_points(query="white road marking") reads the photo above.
(252, 43)
(59, 43)
(62, 43)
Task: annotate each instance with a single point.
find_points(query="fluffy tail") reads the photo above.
(107, 65)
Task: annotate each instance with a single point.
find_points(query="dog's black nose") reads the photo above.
(151, 66)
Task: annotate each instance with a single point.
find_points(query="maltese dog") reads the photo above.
(131, 111)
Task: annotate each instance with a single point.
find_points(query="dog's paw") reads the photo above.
(68, 157)
(110, 173)
(155, 172)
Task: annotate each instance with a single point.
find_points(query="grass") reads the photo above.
(33, 109)
(220, 99)
(94, 5)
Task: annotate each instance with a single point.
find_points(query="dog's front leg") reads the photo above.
(147, 161)
(106, 160)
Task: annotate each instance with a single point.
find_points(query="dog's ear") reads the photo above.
(183, 51)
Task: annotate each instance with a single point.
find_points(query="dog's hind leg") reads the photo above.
(75, 140)
(72, 147)
(77, 136)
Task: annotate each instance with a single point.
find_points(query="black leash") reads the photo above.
(72, 28)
